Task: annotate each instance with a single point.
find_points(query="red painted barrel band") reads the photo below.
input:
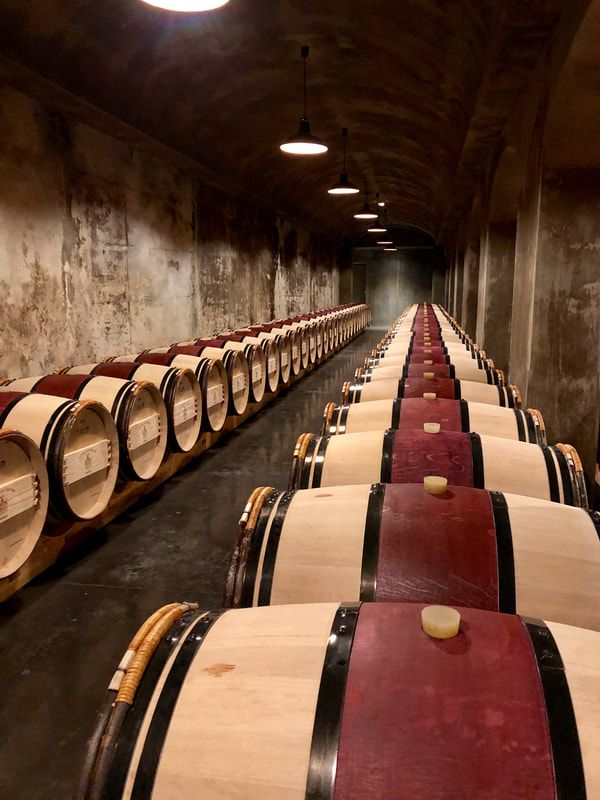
(458, 719)
(186, 350)
(416, 454)
(418, 370)
(209, 342)
(125, 370)
(436, 350)
(415, 412)
(160, 359)
(8, 399)
(68, 386)
(420, 358)
(230, 337)
(445, 388)
(437, 548)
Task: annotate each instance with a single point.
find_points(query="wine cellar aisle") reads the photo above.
(74, 621)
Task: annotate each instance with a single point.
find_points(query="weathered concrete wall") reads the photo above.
(470, 285)
(395, 280)
(539, 263)
(495, 307)
(457, 304)
(438, 279)
(564, 370)
(106, 249)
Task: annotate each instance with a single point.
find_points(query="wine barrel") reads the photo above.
(24, 496)
(308, 342)
(318, 327)
(398, 543)
(406, 347)
(439, 357)
(270, 349)
(465, 369)
(351, 702)
(284, 343)
(444, 388)
(451, 415)
(136, 407)
(315, 339)
(79, 443)
(257, 364)
(211, 375)
(236, 366)
(178, 386)
(298, 344)
(465, 459)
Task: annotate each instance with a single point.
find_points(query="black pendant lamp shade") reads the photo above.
(343, 186)
(304, 143)
(365, 212)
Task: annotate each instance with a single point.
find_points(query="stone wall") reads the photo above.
(106, 248)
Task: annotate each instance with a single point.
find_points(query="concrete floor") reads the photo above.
(62, 636)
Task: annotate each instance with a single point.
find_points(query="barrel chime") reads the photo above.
(417, 616)
(66, 438)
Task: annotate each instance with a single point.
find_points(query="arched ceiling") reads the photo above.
(424, 86)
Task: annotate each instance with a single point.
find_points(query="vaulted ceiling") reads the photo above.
(425, 87)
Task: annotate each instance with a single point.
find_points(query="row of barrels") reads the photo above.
(68, 437)
(361, 652)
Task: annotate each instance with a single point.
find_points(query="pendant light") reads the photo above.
(380, 203)
(187, 5)
(377, 227)
(390, 249)
(343, 186)
(365, 212)
(385, 242)
(304, 143)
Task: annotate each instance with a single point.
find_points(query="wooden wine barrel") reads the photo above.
(210, 373)
(451, 415)
(178, 386)
(438, 357)
(236, 366)
(136, 407)
(79, 443)
(318, 328)
(257, 363)
(24, 496)
(465, 459)
(308, 341)
(284, 343)
(298, 340)
(270, 349)
(406, 347)
(350, 702)
(323, 336)
(398, 543)
(465, 369)
(444, 388)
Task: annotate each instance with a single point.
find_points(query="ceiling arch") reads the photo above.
(424, 87)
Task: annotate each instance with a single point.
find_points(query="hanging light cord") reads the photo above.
(304, 50)
(344, 137)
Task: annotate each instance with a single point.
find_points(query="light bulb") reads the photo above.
(187, 5)
(303, 148)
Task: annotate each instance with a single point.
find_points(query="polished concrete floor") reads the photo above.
(62, 636)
